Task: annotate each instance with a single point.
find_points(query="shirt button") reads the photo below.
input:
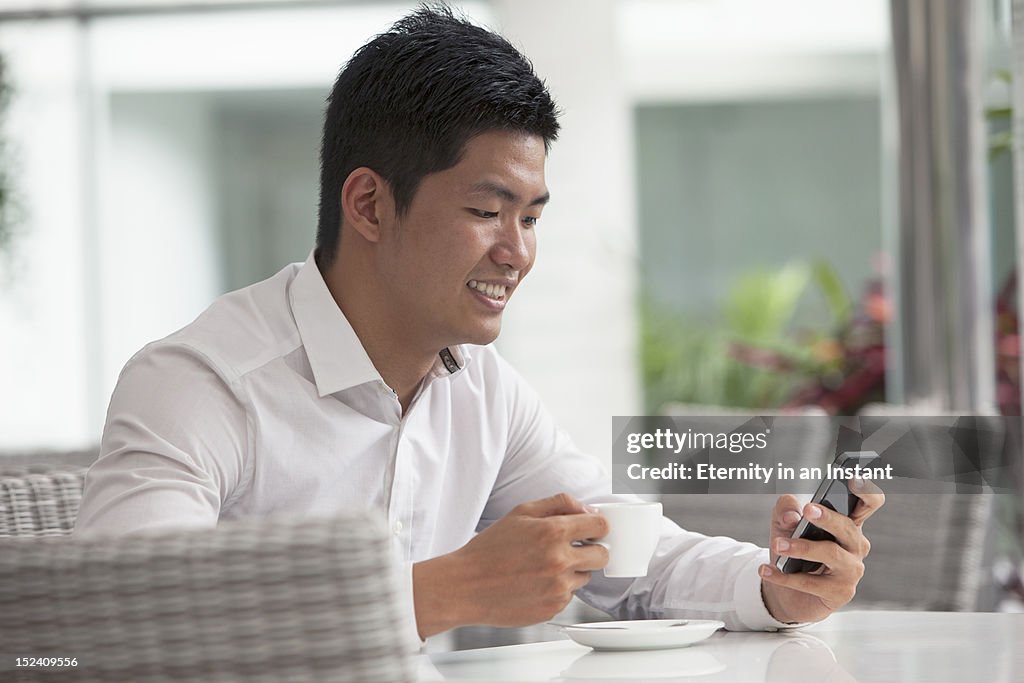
(398, 527)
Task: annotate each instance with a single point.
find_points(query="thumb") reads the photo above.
(786, 515)
(558, 504)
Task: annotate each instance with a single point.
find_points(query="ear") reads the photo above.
(365, 201)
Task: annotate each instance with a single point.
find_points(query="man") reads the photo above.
(364, 379)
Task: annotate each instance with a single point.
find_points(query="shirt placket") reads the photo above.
(402, 494)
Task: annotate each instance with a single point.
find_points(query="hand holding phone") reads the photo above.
(834, 494)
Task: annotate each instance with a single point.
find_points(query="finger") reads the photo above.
(785, 517)
(580, 579)
(838, 560)
(558, 504)
(831, 591)
(847, 534)
(871, 499)
(786, 514)
(589, 557)
(587, 526)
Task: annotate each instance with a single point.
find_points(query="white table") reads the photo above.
(931, 647)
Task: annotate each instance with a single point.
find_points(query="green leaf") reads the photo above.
(761, 304)
(839, 303)
(999, 143)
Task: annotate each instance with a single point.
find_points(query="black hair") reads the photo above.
(408, 101)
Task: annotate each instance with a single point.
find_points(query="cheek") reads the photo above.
(531, 246)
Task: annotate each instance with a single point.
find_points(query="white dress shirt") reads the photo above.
(268, 404)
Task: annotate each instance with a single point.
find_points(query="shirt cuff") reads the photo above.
(407, 608)
(750, 607)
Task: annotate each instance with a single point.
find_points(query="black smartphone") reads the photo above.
(834, 494)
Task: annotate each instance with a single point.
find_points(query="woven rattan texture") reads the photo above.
(40, 504)
(248, 601)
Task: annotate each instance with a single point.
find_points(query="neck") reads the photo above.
(401, 364)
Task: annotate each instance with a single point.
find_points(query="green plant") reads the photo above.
(687, 360)
(1008, 359)
(1001, 140)
(715, 362)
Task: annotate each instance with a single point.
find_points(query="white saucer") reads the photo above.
(644, 634)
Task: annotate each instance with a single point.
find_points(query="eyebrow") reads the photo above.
(487, 187)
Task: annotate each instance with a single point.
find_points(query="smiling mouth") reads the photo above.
(491, 291)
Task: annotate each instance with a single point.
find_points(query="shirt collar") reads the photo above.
(335, 353)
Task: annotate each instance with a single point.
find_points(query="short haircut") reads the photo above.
(408, 101)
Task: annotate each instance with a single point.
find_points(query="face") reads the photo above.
(451, 264)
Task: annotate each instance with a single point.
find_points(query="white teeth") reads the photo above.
(489, 290)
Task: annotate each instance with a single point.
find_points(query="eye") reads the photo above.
(531, 221)
(484, 214)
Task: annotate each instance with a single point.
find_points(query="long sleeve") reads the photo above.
(691, 575)
(172, 450)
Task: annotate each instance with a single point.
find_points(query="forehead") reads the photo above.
(510, 158)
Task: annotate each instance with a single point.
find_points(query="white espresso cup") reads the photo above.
(633, 533)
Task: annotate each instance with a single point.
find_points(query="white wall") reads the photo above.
(571, 329)
(158, 262)
(692, 51)
(43, 306)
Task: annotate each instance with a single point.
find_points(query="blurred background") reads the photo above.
(720, 161)
(739, 217)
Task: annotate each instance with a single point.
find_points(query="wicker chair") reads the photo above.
(20, 463)
(40, 504)
(257, 601)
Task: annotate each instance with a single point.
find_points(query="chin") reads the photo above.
(483, 335)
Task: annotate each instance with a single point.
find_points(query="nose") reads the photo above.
(514, 248)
